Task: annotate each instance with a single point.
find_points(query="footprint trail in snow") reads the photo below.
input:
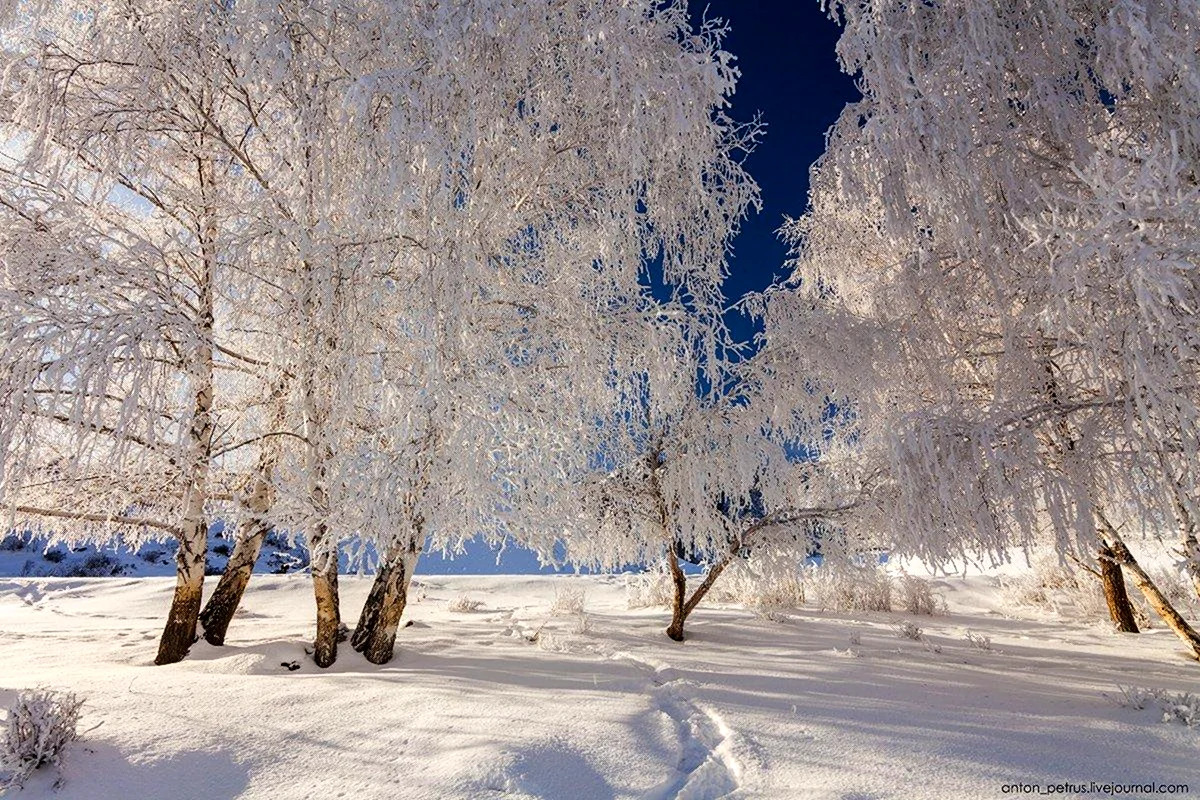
(708, 768)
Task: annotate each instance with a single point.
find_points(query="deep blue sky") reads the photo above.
(790, 75)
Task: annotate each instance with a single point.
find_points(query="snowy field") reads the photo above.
(510, 700)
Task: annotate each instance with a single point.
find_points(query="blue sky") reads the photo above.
(790, 75)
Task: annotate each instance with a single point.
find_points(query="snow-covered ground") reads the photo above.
(805, 704)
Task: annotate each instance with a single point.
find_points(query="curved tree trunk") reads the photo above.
(375, 635)
(682, 605)
(219, 610)
(372, 608)
(180, 630)
(1158, 601)
(1119, 607)
(678, 597)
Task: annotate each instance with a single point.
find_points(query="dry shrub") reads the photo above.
(39, 727)
(850, 588)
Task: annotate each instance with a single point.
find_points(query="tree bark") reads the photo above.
(678, 598)
(219, 610)
(1119, 607)
(682, 605)
(180, 630)
(325, 590)
(1158, 601)
(376, 631)
(223, 604)
(373, 607)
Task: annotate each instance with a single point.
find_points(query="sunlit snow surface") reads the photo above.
(471, 708)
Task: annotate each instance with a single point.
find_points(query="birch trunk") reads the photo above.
(223, 604)
(1158, 601)
(375, 635)
(180, 630)
(683, 605)
(325, 590)
(678, 596)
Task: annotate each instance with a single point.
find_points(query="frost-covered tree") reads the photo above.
(542, 166)
(710, 460)
(117, 282)
(1002, 234)
(426, 224)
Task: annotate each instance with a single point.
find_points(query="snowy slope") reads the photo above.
(471, 708)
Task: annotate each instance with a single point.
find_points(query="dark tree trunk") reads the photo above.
(375, 635)
(1119, 606)
(682, 605)
(678, 597)
(180, 632)
(219, 610)
(372, 608)
(325, 589)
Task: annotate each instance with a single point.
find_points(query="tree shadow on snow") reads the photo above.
(96, 770)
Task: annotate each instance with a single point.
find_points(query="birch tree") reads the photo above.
(547, 166)
(1003, 227)
(115, 199)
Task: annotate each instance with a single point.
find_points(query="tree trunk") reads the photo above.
(379, 625)
(679, 597)
(373, 606)
(1158, 601)
(180, 631)
(1119, 607)
(219, 610)
(325, 589)
(682, 605)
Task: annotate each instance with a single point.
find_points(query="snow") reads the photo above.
(807, 704)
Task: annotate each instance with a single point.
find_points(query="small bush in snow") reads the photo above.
(915, 595)
(152, 556)
(650, 588)
(761, 583)
(54, 556)
(851, 588)
(417, 592)
(907, 630)
(464, 603)
(568, 600)
(97, 565)
(1053, 586)
(1180, 707)
(979, 641)
(1174, 584)
(39, 727)
(855, 638)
